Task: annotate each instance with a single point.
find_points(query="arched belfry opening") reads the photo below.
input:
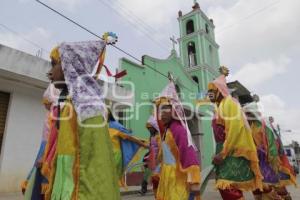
(192, 54)
(190, 27)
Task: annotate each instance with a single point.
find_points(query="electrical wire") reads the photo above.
(23, 38)
(116, 47)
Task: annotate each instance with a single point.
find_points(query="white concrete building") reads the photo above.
(22, 83)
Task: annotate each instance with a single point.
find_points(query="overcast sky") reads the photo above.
(259, 39)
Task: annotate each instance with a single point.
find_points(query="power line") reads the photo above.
(122, 6)
(150, 29)
(128, 13)
(116, 47)
(23, 38)
(86, 29)
(131, 15)
(144, 28)
(77, 24)
(260, 10)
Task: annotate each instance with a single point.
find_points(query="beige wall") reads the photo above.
(22, 134)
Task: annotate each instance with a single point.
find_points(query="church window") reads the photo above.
(211, 55)
(207, 28)
(190, 27)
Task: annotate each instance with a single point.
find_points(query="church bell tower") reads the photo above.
(198, 48)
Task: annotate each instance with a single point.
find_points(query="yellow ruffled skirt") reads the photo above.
(172, 184)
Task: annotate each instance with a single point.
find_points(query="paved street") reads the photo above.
(127, 197)
(139, 197)
(210, 194)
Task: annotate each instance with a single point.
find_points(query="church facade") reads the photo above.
(195, 66)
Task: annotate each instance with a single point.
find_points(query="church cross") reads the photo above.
(174, 42)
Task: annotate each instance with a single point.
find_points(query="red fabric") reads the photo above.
(231, 194)
(285, 162)
(257, 192)
(151, 159)
(155, 182)
(219, 131)
(121, 74)
(282, 191)
(118, 75)
(265, 191)
(52, 142)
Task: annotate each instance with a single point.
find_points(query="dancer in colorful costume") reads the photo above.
(78, 159)
(180, 171)
(287, 174)
(125, 146)
(263, 140)
(151, 166)
(155, 143)
(33, 184)
(236, 160)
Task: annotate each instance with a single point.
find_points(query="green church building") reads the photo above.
(195, 66)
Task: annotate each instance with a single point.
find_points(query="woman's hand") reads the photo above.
(145, 144)
(218, 159)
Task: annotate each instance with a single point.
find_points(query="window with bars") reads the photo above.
(4, 101)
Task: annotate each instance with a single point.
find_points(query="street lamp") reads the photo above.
(287, 131)
(271, 120)
(283, 130)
